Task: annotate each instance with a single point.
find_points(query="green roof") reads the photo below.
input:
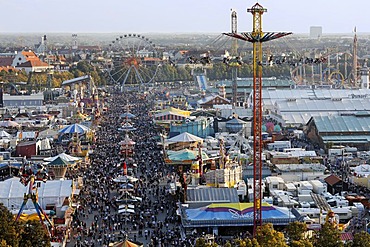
(352, 124)
(347, 138)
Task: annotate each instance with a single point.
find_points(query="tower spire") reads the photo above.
(354, 67)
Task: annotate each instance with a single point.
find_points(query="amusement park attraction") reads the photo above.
(257, 37)
(338, 69)
(133, 60)
(31, 175)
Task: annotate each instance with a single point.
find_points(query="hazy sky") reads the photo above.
(182, 16)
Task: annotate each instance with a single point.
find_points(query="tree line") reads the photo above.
(296, 235)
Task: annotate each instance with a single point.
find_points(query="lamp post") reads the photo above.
(10, 168)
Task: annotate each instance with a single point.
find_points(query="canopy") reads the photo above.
(185, 154)
(47, 134)
(127, 115)
(229, 211)
(185, 137)
(63, 156)
(125, 243)
(3, 134)
(59, 162)
(126, 211)
(74, 128)
(125, 179)
(127, 142)
(9, 124)
(126, 127)
(126, 186)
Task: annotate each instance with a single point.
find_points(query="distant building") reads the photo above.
(352, 130)
(24, 56)
(21, 101)
(315, 32)
(210, 101)
(30, 62)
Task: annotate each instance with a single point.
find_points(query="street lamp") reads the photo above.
(10, 168)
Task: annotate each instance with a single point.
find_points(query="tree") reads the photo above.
(34, 234)
(328, 236)
(301, 243)
(4, 244)
(361, 239)
(8, 228)
(295, 230)
(252, 242)
(202, 242)
(267, 236)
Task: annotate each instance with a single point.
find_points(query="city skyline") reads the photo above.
(191, 16)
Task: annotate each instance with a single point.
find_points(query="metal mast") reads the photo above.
(234, 53)
(256, 37)
(354, 69)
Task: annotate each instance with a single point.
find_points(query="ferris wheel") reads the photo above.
(132, 60)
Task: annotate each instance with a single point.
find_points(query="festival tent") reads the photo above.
(48, 133)
(185, 154)
(9, 124)
(4, 134)
(74, 128)
(127, 115)
(126, 243)
(185, 137)
(234, 214)
(52, 192)
(58, 166)
(58, 162)
(170, 114)
(63, 156)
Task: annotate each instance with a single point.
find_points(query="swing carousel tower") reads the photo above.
(257, 37)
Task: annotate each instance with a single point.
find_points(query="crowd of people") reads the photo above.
(153, 221)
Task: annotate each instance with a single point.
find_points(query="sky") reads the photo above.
(180, 16)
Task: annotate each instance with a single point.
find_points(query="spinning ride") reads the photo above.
(30, 175)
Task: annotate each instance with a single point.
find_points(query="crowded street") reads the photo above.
(153, 222)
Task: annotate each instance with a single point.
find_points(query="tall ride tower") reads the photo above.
(234, 53)
(354, 67)
(257, 37)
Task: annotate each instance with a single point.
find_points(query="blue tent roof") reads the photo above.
(230, 211)
(185, 154)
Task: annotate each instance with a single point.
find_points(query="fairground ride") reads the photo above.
(257, 37)
(132, 60)
(31, 176)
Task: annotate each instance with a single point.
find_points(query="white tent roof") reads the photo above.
(125, 179)
(185, 137)
(63, 156)
(51, 192)
(3, 133)
(126, 211)
(47, 133)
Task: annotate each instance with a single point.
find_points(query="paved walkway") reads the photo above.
(97, 222)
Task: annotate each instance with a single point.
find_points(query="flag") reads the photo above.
(124, 168)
